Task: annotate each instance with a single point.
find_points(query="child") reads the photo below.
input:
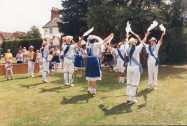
(8, 70)
(31, 61)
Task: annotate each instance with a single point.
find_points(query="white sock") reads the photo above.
(93, 90)
(70, 78)
(66, 82)
(119, 80)
(122, 80)
(89, 89)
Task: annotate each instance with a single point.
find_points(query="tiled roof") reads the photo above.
(52, 23)
(8, 35)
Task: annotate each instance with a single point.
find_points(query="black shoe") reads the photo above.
(89, 93)
(130, 102)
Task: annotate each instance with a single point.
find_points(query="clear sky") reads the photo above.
(21, 15)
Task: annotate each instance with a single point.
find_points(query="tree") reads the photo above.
(74, 17)
(111, 16)
(33, 33)
(175, 46)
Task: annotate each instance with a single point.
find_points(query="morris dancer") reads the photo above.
(93, 67)
(68, 53)
(134, 66)
(153, 60)
(120, 54)
(79, 62)
(31, 61)
(45, 62)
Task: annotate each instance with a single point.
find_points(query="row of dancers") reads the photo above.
(127, 56)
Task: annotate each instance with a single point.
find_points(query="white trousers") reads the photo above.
(45, 70)
(133, 80)
(31, 68)
(152, 73)
(68, 78)
(68, 68)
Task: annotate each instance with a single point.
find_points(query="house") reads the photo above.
(50, 29)
(1, 39)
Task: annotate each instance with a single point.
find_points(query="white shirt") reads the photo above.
(155, 50)
(136, 55)
(70, 55)
(123, 49)
(96, 49)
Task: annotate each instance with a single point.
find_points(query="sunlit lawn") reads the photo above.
(28, 102)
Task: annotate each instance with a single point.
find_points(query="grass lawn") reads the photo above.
(27, 102)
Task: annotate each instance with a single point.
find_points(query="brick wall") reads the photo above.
(19, 69)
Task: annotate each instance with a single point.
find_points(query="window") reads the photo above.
(50, 30)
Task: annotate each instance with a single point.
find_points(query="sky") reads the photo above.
(21, 15)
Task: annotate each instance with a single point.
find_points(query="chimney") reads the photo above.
(55, 13)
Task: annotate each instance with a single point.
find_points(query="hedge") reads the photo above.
(14, 45)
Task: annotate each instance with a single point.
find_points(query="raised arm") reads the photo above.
(126, 37)
(161, 38)
(145, 37)
(137, 36)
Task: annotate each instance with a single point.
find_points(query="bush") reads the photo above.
(14, 45)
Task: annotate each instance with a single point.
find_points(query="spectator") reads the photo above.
(8, 65)
(31, 61)
(8, 56)
(8, 69)
(25, 55)
(56, 58)
(19, 57)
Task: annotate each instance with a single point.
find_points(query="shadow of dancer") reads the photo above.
(144, 93)
(118, 109)
(54, 89)
(31, 85)
(80, 99)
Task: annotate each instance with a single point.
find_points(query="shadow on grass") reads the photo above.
(80, 99)
(4, 80)
(118, 109)
(144, 93)
(31, 85)
(54, 89)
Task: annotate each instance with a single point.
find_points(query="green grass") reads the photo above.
(27, 102)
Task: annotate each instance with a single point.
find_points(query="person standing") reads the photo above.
(79, 59)
(93, 66)
(134, 68)
(31, 61)
(8, 65)
(45, 62)
(68, 54)
(19, 57)
(25, 55)
(153, 60)
(8, 56)
(120, 54)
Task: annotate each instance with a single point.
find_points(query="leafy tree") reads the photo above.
(34, 33)
(74, 17)
(111, 16)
